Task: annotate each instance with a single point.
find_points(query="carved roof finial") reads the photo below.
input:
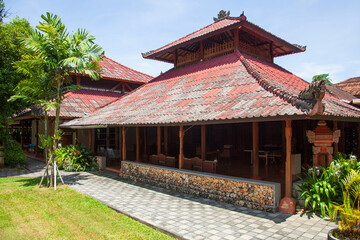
(221, 15)
(242, 16)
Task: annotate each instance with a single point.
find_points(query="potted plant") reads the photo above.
(348, 211)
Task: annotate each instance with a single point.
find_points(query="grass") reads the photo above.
(29, 212)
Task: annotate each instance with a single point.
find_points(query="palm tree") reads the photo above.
(58, 54)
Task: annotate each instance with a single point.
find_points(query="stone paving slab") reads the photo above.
(190, 217)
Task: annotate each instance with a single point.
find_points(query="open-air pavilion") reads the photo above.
(226, 122)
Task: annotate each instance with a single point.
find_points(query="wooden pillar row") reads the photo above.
(181, 150)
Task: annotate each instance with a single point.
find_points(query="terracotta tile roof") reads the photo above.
(81, 102)
(233, 86)
(337, 92)
(351, 85)
(114, 70)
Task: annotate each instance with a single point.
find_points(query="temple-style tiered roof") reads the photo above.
(223, 73)
(234, 87)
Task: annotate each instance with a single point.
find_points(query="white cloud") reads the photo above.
(309, 69)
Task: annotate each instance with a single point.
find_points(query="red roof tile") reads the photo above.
(114, 70)
(213, 90)
(81, 102)
(351, 85)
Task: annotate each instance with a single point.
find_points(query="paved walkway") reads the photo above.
(189, 217)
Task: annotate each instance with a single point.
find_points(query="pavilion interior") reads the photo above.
(229, 145)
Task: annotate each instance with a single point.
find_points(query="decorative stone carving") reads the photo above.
(323, 138)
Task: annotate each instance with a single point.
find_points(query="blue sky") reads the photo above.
(330, 29)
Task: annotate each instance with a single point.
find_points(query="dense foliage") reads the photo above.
(76, 158)
(13, 154)
(321, 187)
(348, 210)
(11, 51)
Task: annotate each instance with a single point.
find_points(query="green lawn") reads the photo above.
(29, 212)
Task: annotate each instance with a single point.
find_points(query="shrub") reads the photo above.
(322, 187)
(348, 210)
(76, 158)
(13, 154)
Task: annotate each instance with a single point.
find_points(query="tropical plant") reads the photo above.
(58, 54)
(348, 211)
(76, 158)
(324, 76)
(11, 50)
(318, 190)
(322, 187)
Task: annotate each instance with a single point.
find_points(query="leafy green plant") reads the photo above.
(322, 187)
(76, 158)
(13, 154)
(348, 211)
(319, 190)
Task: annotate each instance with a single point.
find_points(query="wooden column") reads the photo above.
(75, 135)
(123, 143)
(201, 49)
(78, 80)
(203, 142)
(236, 38)
(342, 137)
(175, 57)
(287, 204)
(116, 139)
(166, 137)
(22, 134)
(271, 51)
(181, 150)
(137, 144)
(145, 141)
(37, 137)
(255, 150)
(107, 137)
(336, 145)
(90, 138)
(358, 140)
(288, 164)
(158, 140)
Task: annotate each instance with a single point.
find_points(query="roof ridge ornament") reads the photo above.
(314, 95)
(242, 16)
(221, 15)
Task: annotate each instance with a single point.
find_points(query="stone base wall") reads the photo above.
(243, 192)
